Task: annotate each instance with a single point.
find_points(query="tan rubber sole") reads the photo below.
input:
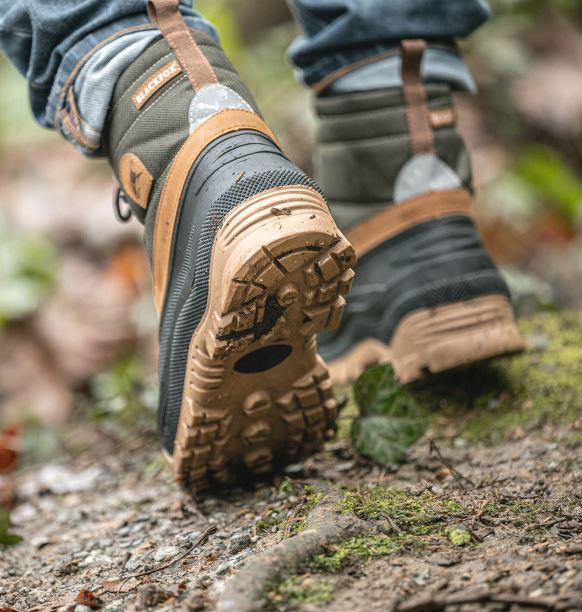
(436, 340)
(256, 394)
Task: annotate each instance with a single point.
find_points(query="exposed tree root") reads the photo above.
(324, 526)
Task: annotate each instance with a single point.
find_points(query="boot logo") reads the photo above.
(154, 83)
(135, 179)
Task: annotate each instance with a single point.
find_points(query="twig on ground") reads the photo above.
(460, 478)
(548, 524)
(394, 526)
(480, 512)
(201, 540)
(294, 516)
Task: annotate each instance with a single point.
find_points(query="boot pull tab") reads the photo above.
(165, 16)
(417, 111)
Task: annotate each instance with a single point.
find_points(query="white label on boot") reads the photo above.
(211, 100)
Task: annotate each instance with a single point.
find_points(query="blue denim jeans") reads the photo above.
(339, 33)
(75, 51)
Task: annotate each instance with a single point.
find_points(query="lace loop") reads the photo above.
(118, 197)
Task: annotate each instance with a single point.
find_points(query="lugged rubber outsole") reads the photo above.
(256, 394)
(436, 340)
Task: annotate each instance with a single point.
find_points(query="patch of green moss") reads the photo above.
(519, 511)
(313, 499)
(296, 522)
(459, 536)
(490, 403)
(365, 547)
(297, 591)
(411, 517)
(402, 507)
(270, 519)
(515, 507)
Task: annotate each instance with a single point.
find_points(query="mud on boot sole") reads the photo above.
(256, 394)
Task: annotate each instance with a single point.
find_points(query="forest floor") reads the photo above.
(485, 512)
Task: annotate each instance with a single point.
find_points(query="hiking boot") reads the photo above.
(427, 296)
(248, 264)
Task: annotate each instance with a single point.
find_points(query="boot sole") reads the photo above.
(437, 340)
(256, 394)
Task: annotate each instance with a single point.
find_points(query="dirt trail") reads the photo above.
(506, 536)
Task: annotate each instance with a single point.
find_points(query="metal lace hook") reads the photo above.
(118, 197)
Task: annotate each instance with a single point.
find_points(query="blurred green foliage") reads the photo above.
(549, 175)
(535, 7)
(7, 538)
(121, 397)
(28, 268)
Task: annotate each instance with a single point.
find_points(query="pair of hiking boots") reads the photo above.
(250, 263)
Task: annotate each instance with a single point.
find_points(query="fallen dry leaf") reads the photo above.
(22, 360)
(7, 492)
(9, 445)
(88, 323)
(89, 599)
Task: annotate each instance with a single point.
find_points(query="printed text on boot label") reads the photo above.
(164, 75)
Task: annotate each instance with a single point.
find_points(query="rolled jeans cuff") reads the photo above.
(81, 93)
(379, 67)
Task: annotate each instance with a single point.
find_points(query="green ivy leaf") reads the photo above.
(377, 392)
(8, 539)
(386, 439)
(391, 419)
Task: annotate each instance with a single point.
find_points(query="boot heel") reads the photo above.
(448, 337)
(256, 394)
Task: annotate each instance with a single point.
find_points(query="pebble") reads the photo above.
(134, 564)
(222, 569)
(80, 608)
(422, 578)
(445, 560)
(205, 580)
(237, 561)
(239, 542)
(165, 553)
(219, 546)
(97, 560)
(295, 469)
(40, 542)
